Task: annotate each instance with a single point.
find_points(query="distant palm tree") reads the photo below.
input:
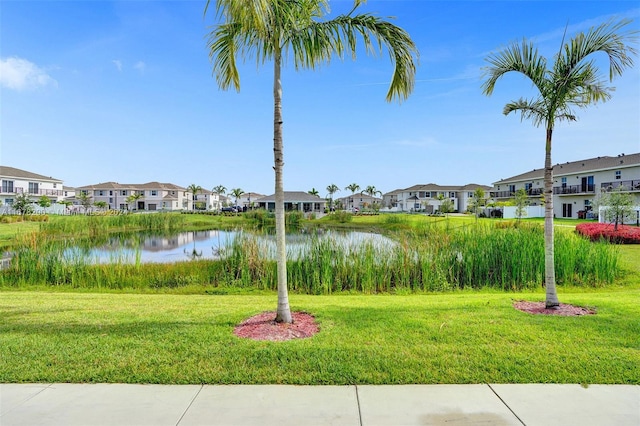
(220, 190)
(133, 198)
(354, 187)
(372, 191)
(194, 189)
(332, 189)
(237, 193)
(572, 81)
(270, 30)
(314, 192)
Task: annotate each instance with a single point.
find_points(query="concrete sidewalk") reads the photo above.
(186, 405)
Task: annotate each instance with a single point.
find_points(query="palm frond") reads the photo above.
(520, 57)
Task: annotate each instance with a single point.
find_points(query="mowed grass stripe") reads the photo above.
(444, 338)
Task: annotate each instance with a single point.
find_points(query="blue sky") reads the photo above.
(96, 91)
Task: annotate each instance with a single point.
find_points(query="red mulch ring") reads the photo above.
(562, 310)
(264, 327)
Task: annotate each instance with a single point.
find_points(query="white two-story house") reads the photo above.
(576, 184)
(428, 198)
(16, 182)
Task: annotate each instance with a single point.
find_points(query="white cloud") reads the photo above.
(20, 74)
(140, 66)
(118, 64)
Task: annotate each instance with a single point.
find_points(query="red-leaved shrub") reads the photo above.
(596, 231)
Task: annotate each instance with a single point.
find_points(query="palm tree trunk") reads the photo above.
(549, 262)
(284, 312)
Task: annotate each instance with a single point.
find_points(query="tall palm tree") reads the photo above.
(332, 189)
(354, 187)
(273, 29)
(572, 81)
(314, 192)
(194, 189)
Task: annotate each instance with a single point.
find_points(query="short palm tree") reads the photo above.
(354, 187)
(571, 81)
(274, 29)
(332, 189)
(220, 190)
(236, 193)
(314, 192)
(194, 189)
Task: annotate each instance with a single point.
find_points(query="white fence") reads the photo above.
(633, 220)
(509, 212)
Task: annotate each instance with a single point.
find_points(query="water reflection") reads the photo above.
(194, 245)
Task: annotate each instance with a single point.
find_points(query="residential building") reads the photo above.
(152, 196)
(428, 198)
(16, 181)
(358, 201)
(294, 200)
(248, 199)
(576, 184)
(207, 200)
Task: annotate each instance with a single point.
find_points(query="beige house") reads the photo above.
(151, 196)
(358, 201)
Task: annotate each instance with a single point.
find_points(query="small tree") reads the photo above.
(44, 202)
(102, 205)
(477, 201)
(521, 201)
(617, 206)
(22, 204)
(237, 193)
(314, 192)
(85, 200)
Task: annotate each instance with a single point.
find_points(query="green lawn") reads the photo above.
(444, 338)
(61, 335)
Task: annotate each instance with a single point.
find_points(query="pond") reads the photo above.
(193, 245)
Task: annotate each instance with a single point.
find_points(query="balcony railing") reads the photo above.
(20, 190)
(629, 185)
(532, 192)
(574, 189)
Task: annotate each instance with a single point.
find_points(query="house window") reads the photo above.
(101, 193)
(512, 188)
(55, 185)
(9, 201)
(452, 195)
(528, 186)
(110, 192)
(470, 194)
(85, 192)
(564, 182)
(7, 186)
(154, 193)
(33, 187)
(110, 200)
(123, 192)
(618, 174)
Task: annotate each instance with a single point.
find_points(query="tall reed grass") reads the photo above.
(427, 259)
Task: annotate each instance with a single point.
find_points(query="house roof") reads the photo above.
(23, 174)
(136, 186)
(293, 197)
(435, 187)
(580, 166)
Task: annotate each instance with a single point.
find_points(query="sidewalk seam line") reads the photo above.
(358, 402)
(190, 404)
(506, 405)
